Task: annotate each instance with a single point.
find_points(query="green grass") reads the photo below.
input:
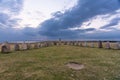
(49, 64)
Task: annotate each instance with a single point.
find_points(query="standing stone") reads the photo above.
(39, 45)
(16, 47)
(77, 43)
(52, 43)
(71, 43)
(92, 44)
(74, 43)
(108, 45)
(55, 43)
(47, 44)
(63, 43)
(81, 44)
(24, 46)
(44, 44)
(28, 46)
(36, 46)
(85, 45)
(67, 43)
(5, 48)
(58, 43)
(118, 45)
(100, 44)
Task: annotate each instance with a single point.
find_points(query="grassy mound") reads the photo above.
(50, 64)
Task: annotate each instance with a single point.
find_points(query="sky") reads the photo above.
(66, 19)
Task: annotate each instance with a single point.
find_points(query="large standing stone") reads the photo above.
(71, 43)
(43, 44)
(51, 43)
(24, 46)
(77, 43)
(118, 45)
(39, 45)
(64, 43)
(5, 48)
(74, 43)
(108, 45)
(100, 44)
(28, 46)
(16, 47)
(81, 44)
(55, 43)
(67, 43)
(85, 45)
(36, 45)
(46, 44)
(92, 44)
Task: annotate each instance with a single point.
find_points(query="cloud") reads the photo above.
(9, 9)
(28, 31)
(112, 23)
(59, 24)
(101, 35)
(13, 6)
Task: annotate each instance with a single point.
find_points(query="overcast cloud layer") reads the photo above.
(59, 24)
(8, 10)
(62, 24)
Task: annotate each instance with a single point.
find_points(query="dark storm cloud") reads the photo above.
(110, 35)
(10, 34)
(28, 31)
(59, 24)
(113, 22)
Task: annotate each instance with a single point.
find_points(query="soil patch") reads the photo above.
(75, 65)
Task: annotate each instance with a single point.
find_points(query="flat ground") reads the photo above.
(49, 64)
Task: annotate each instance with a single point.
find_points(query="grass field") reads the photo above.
(49, 64)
